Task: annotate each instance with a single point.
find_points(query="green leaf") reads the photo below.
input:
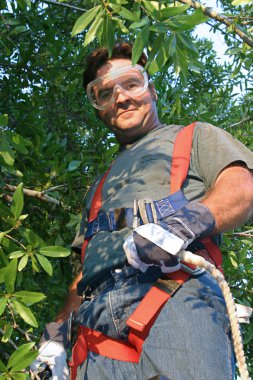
(23, 262)
(140, 43)
(2, 273)
(187, 42)
(128, 15)
(3, 260)
(24, 312)
(149, 6)
(16, 254)
(10, 276)
(54, 251)
(3, 303)
(181, 63)
(6, 151)
(73, 165)
(4, 211)
(2, 235)
(3, 120)
(83, 21)
(35, 265)
(241, 2)
(32, 238)
(17, 203)
(233, 51)
(108, 32)
(45, 263)
(3, 368)
(19, 376)
(29, 298)
(181, 23)
(91, 34)
(121, 25)
(139, 24)
(189, 22)
(163, 54)
(8, 329)
(173, 11)
(18, 355)
(18, 142)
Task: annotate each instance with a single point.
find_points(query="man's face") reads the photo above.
(129, 116)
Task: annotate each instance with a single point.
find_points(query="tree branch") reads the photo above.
(64, 5)
(241, 121)
(34, 194)
(9, 341)
(222, 19)
(15, 241)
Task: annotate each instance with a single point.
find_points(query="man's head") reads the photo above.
(122, 94)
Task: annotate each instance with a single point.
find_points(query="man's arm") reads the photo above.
(73, 301)
(231, 200)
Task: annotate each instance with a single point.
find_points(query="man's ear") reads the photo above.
(153, 91)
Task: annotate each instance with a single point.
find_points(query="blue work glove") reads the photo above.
(158, 244)
(52, 352)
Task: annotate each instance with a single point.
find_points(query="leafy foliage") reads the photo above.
(52, 145)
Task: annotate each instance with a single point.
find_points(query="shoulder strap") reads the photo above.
(181, 157)
(96, 205)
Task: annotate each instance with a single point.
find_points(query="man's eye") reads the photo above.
(132, 85)
(106, 94)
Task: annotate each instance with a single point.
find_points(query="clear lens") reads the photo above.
(132, 80)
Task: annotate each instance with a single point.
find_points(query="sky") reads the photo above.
(204, 30)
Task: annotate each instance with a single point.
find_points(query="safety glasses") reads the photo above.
(131, 80)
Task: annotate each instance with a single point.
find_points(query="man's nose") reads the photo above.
(120, 95)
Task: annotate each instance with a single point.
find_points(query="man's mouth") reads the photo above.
(126, 111)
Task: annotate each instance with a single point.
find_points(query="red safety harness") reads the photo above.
(144, 316)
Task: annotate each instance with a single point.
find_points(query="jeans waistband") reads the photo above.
(109, 278)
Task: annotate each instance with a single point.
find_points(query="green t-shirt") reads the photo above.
(142, 170)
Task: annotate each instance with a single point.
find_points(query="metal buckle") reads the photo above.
(86, 297)
(143, 212)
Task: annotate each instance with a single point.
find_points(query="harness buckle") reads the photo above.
(86, 295)
(143, 210)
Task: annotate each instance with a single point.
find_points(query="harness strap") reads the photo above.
(140, 323)
(147, 311)
(214, 252)
(181, 158)
(96, 205)
(119, 218)
(163, 289)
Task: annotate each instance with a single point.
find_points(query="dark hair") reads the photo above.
(100, 56)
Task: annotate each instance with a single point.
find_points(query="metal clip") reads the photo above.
(85, 296)
(135, 217)
(143, 211)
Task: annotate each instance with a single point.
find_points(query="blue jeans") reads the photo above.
(190, 339)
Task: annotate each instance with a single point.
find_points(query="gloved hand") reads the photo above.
(158, 244)
(52, 351)
(53, 355)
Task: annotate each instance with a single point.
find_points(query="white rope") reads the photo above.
(199, 261)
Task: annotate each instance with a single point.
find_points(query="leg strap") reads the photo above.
(140, 323)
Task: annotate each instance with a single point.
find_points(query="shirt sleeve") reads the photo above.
(214, 149)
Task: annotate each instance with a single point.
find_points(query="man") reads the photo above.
(190, 339)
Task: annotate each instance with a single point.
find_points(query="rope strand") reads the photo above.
(199, 261)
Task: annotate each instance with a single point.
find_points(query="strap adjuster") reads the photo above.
(147, 210)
